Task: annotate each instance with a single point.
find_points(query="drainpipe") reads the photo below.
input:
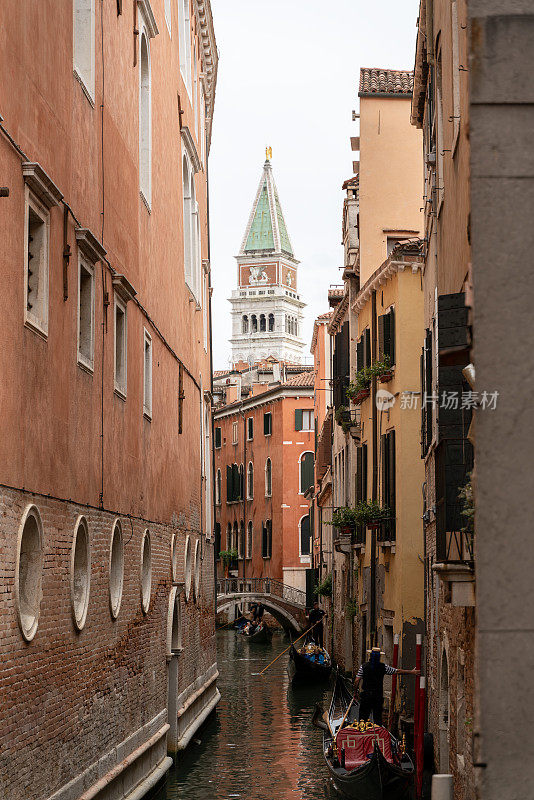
(245, 493)
(211, 374)
(372, 599)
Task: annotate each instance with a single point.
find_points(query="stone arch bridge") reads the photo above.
(285, 603)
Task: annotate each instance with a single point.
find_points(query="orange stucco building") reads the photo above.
(264, 454)
(106, 535)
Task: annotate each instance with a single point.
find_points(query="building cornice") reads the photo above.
(270, 396)
(189, 144)
(384, 272)
(339, 312)
(209, 58)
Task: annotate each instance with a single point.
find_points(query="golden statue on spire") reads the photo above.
(268, 153)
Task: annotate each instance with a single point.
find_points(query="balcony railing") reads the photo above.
(387, 531)
(268, 586)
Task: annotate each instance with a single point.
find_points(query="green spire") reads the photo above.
(266, 230)
(261, 235)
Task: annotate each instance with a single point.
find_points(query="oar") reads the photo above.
(288, 648)
(345, 717)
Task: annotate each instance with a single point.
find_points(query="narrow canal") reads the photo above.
(260, 744)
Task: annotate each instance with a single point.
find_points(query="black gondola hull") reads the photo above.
(301, 668)
(260, 637)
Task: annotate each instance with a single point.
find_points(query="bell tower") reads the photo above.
(266, 306)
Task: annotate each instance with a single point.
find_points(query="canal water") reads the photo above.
(260, 743)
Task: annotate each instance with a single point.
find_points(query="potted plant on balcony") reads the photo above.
(359, 389)
(227, 556)
(345, 519)
(343, 418)
(382, 369)
(371, 514)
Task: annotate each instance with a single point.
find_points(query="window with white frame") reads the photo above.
(84, 44)
(120, 354)
(86, 312)
(37, 225)
(250, 481)
(195, 90)
(234, 433)
(185, 43)
(145, 122)
(218, 488)
(304, 420)
(147, 375)
(305, 536)
(168, 15)
(268, 478)
(306, 471)
(187, 177)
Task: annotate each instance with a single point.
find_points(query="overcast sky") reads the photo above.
(288, 78)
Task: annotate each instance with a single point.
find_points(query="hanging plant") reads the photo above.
(324, 588)
(228, 555)
(364, 513)
(343, 418)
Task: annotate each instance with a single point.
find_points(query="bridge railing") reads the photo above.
(262, 586)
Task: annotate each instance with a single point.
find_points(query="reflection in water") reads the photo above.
(260, 744)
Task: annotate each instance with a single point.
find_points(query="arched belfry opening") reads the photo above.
(174, 648)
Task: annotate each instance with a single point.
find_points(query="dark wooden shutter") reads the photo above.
(250, 432)
(217, 543)
(235, 482)
(423, 407)
(384, 455)
(229, 484)
(381, 335)
(367, 347)
(270, 537)
(391, 500)
(359, 353)
(298, 419)
(305, 548)
(359, 474)
(428, 387)
(364, 472)
(391, 351)
(267, 423)
(218, 440)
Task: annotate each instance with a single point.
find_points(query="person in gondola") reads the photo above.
(261, 609)
(254, 610)
(371, 674)
(315, 617)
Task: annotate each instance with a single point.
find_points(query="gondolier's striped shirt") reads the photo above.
(389, 670)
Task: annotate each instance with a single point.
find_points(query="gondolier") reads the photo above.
(315, 618)
(371, 674)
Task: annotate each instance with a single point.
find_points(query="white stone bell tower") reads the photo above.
(266, 306)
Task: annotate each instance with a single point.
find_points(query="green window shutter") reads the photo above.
(298, 419)
(381, 335)
(359, 353)
(364, 472)
(359, 474)
(384, 455)
(306, 472)
(391, 500)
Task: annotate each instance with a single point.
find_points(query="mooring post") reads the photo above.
(419, 754)
(395, 663)
(442, 787)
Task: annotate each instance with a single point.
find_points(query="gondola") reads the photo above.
(263, 636)
(309, 666)
(366, 764)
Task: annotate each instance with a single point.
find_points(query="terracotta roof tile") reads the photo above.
(385, 81)
(305, 379)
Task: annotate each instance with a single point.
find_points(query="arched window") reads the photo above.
(196, 264)
(271, 322)
(305, 536)
(287, 323)
(185, 43)
(187, 177)
(250, 481)
(306, 471)
(253, 323)
(268, 478)
(262, 323)
(188, 567)
(218, 488)
(249, 540)
(146, 572)
(244, 324)
(28, 574)
(145, 127)
(241, 543)
(241, 482)
(229, 536)
(195, 90)
(235, 537)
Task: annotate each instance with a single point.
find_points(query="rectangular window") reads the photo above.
(386, 336)
(86, 313)
(218, 438)
(267, 423)
(235, 433)
(388, 484)
(250, 429)
(303, 420)
(147, 377)
(120, 347)
(266, 539)
(249, 541)
(37, 222)
(84, 44)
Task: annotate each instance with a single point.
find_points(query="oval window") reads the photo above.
(29, 572)
(146, 572)
(116, 570)
(188, 570)
(80, 572)
(198, 570)
(174, 558)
